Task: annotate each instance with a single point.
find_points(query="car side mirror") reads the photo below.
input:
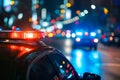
(91, 76)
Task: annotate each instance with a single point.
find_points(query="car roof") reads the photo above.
(19, 48)
(14, 50)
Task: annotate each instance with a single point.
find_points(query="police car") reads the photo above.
(24, 56)
(85, 39)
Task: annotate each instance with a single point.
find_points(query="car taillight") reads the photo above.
(95, 40)
(111, 38)
(103, 36)
(77, 39)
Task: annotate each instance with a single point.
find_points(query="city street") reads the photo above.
(105, 61)
(87, 32)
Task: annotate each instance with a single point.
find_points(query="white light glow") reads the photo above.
(68, 42)
(78, 39)
(93, 34)
(6, 3)
(78, 58)
(59, 25)
(68, 35)
(43, 13)
(85, 11)
(43, 30)
(79, 33)
(11, 21)
(68, 57)
(68, 14)
(93, 6)
(34, 16)
(68, 50)
(96, 56)
(36, 27)
(5, 20)
(73, 35)
(99, 31)
(61, 66)
(71, 20)
(96, 40)
(62, 6)
(82, 14)
(49, 29)
(45, 24)
(20, 15)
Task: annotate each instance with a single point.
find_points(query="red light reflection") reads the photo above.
(22, 50)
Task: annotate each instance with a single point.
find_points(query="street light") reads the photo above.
(93, 6)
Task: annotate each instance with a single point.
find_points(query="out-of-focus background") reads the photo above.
(86, 31)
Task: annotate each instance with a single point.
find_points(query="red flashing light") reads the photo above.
(14, 28)
(53, 21)
(103, 36)
(15, 35)
(30, 35)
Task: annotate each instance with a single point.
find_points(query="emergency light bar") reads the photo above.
(27, 35)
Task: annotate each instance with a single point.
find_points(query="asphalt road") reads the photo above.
(104, 61)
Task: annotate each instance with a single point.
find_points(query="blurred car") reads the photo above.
(85, 39)
(23, 56)
(111, 39)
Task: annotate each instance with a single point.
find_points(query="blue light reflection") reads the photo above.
(86, 61)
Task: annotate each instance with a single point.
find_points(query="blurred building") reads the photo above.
(112, 17)
(1, 6)
(44, 14)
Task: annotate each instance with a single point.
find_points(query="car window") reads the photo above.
(66, 70)
(42, 69)
(52, 67)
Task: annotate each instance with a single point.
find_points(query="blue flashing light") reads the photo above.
(62, 71)
(105, 39)
(79, 33)
(92, 34)
(18, 29)
(36, 27)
